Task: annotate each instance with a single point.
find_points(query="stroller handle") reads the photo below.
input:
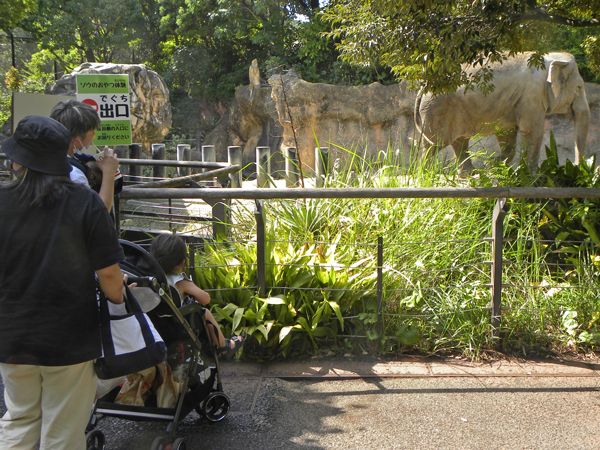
(150, 282)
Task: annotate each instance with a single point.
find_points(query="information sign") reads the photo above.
(109, 95)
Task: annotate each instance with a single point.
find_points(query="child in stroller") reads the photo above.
(184, 328)
(171, 253)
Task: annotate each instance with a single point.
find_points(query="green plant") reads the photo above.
(321, 271)
(13, 79)
(5, 102)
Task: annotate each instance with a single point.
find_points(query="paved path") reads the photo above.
(346, 403)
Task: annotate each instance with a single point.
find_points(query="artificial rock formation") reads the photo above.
(339, 117)
(151, 115)
(364, 119)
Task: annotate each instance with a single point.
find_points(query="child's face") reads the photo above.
(83, 142)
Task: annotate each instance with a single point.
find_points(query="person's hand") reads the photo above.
(191, 299)
(130, 286)
(108, 163)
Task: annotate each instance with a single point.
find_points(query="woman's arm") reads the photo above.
(111, 283)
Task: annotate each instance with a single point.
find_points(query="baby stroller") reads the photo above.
(183, 327)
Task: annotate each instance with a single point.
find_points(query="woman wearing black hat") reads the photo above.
(54, 235)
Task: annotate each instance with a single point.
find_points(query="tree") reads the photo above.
(428, 42)
(99, 30)
(216, 40)
(14, 11)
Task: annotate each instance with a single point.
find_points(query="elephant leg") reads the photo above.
(532, 140)
(461, 147)
(508, 142)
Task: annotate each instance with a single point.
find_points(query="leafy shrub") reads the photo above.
(321, 272)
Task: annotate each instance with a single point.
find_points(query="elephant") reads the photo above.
(519, 102)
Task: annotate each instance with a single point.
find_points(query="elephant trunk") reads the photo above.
(581, 124)
(421, 137)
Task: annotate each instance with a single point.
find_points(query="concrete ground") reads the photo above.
(413, 403)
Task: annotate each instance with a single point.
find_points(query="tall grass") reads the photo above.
(321, 276)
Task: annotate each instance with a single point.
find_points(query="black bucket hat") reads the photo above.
(41, 144)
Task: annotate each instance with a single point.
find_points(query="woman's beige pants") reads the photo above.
(50, 405)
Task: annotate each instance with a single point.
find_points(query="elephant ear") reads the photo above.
(555, 76)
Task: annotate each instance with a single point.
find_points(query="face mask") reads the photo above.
(83, 148)
(90, 149)
(16, 172)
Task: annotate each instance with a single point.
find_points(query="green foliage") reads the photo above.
(40, 71)
(204, 48)
(557, 239)
(13, 79)
(14, 11)
(427, 41)
(309, 289)
(570, 226)
(321, 266)
(99, 31)
(5, 102)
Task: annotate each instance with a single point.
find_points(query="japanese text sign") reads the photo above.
(109, 96)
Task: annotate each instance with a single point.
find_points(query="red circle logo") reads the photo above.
(92, 103)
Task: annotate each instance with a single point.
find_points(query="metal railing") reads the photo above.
(219, 198)
(496, 261)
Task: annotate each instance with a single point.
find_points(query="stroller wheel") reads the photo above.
(215, 407)
(160, 443)
(179, 444)
(94, 440)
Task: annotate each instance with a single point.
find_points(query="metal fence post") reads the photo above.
(321, 165)
(263, 166)
(192, 261)
(379, 285)
(291, 167)
(159, 153)
(234, 158)
(260, 248)
(496, 275)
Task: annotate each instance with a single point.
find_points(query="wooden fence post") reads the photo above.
(496, 275)
(135, 152)
(159, 153)
(184, 153)
(208, 155)
(263, 166)
(260, 248)
(234, 158)
(220, 213)
(291, 167)
(198, 141)
(321, 165)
